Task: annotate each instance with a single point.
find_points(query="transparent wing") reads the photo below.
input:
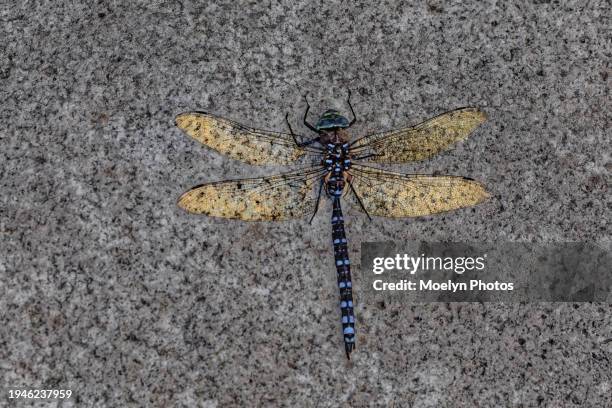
(278, 197)
(240, 142)
(421, 141)
(388, 194)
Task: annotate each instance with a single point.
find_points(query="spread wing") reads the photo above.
(421, 141)
(388, 194)
(278, 197)
(241, 142)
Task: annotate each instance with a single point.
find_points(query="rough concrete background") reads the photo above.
(108, 289)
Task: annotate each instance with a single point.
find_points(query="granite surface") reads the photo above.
(108, 289)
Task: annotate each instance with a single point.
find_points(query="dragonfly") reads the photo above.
(330, 165)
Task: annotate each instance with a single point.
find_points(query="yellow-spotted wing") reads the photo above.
(278, 197)
(240, 142)
(388, 194)
(421, 141)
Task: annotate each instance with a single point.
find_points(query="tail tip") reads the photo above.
(349, 348)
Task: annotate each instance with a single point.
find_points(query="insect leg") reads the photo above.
(291, 130)
(308, 125)
(318, 199)
(309, 142)
(351, 106)
(299, 144)
(348, 180)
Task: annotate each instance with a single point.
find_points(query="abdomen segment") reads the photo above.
(343, 270)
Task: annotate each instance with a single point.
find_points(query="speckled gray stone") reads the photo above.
(108, 289)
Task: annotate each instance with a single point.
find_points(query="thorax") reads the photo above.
(336, 161)
(337, 158)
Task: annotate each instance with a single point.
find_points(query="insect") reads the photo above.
(333, 166)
